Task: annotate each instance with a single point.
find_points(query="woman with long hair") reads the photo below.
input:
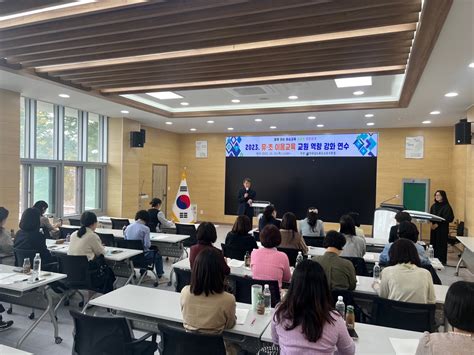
(440, 230)
(268, 217)
(290, 237)
(312, 226)
(355, 244)
(305, 321)
(49, 230)
(239, 236)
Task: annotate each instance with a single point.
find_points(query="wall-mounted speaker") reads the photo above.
(462, 131)
(137, 139)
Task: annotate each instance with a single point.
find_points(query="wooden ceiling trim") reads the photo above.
(233, 48)
(431, 22)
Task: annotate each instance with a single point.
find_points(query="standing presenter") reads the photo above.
(246, 197)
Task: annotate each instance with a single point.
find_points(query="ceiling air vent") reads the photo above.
(251, 91)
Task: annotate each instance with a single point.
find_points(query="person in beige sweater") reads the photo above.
(206, 307)
(290, 237)
(459, 311)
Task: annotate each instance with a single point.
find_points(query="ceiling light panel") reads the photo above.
(351, 82)
(165, 95)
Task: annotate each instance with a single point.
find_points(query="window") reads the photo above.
(92, 189)
(22, 127)
(44, 130)
(93, 137)
(70, 191)
(44, 186)
(71, 134)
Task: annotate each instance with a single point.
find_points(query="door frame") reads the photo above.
(165, 200)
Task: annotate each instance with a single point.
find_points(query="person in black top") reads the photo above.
(30, 238)
(268, 217)
(399, 217)
(158, 219)
(246, 196)
(239, 236)
(440, 230)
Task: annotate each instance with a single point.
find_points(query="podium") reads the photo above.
(259, 206)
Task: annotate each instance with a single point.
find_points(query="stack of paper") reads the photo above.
(404, 346)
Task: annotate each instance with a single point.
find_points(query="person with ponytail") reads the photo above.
(312, 226)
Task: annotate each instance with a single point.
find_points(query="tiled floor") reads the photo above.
(41, 341)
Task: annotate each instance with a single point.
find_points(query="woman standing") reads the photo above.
(440, 230)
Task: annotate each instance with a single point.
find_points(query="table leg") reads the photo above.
(49, 309)
(132, 272)
(456, 273)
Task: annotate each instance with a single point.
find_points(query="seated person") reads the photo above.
(206, 235)
(49, 230)
(268, 217)
(206, 306)
(290, 238)
(312, 226)
(140, 231)
(29, 237)
(85, 242)
(305, 321)
(6, 241)
(355, 244)
(239, 236)
(459, 311)
(339, 271)
(158, 220)
(405, 280)
(406, 230)
(268, 263)
(355, 217)
(399, 218)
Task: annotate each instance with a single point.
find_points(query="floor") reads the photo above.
(41, 341)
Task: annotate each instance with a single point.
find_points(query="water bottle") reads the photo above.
(341, 307)
(299, 259)
(430, 252)
(247, 259)
(376, 271)
(26, 266)
(36, 267)
(267, 296)
(68, 237)
(350, 317)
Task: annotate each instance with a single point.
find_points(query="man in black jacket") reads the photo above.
(246, 196)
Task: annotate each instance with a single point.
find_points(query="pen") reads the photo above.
(18, 281)
(253, 322)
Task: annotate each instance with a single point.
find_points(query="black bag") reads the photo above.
(102, 277)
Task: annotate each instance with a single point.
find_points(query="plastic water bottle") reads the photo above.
(376, 271)
(299, 259)
(36, 267)
(430, 252)
(341, 307)
(267, 297)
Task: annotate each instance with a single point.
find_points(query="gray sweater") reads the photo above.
(6, 242)
(308, 231)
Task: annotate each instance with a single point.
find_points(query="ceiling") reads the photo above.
(444, 72)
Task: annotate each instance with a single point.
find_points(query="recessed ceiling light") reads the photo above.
(320, 125)
(435, 112)
(451, 94)
(169, 123)
(311, 117)
(230, 128)
(64, 96)
(124, 111)
(273, 127)
(293, 97)
(235, 101)
(358, 93)
(165, 95)
(368, 115)
(370, 123)
(210, 121)
(351, 82)
(192, 129)
(258, 120)
(471, 65)
(426, 122)
(184, 103)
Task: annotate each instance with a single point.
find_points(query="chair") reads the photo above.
(74, 222)
(107, 239)
(291, 253)
(359, 265)
(139, 261)
(235, 253)
(183, 278)
(314, 241)
(434, 275)
(177, 341)
(119, 223)
(187, 229)
(256, 235)
(64, 231)
(403, 315)
(243, 289)
(108, 336)
(348, 299)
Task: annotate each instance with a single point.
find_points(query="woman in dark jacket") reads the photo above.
(440, 230)
(239, 236)
(268, 217)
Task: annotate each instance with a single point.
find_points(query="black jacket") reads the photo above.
(246, 242)
(244, 207)
(33, 241)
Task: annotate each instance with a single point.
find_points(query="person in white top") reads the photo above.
(84, 241)
(405, 280)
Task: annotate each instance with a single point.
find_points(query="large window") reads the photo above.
(63, 158)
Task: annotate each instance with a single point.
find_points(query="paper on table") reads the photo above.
(241, 314)
(14, 277)
(404, 346)
(357, 278)
(370, 256)
(235, 263)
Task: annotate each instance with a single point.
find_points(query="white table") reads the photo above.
(6, 350)
(31, 295)
(154, 237)
(369, 257)
(117, 257)
(467, 255)
(373, 339)
(238, 271)
(144, 306)
(107, 219)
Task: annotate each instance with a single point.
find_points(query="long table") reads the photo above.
(28, 294)
(373, 339)
(119, 259)
(147, 307)
(369, 257)
(467, 256)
